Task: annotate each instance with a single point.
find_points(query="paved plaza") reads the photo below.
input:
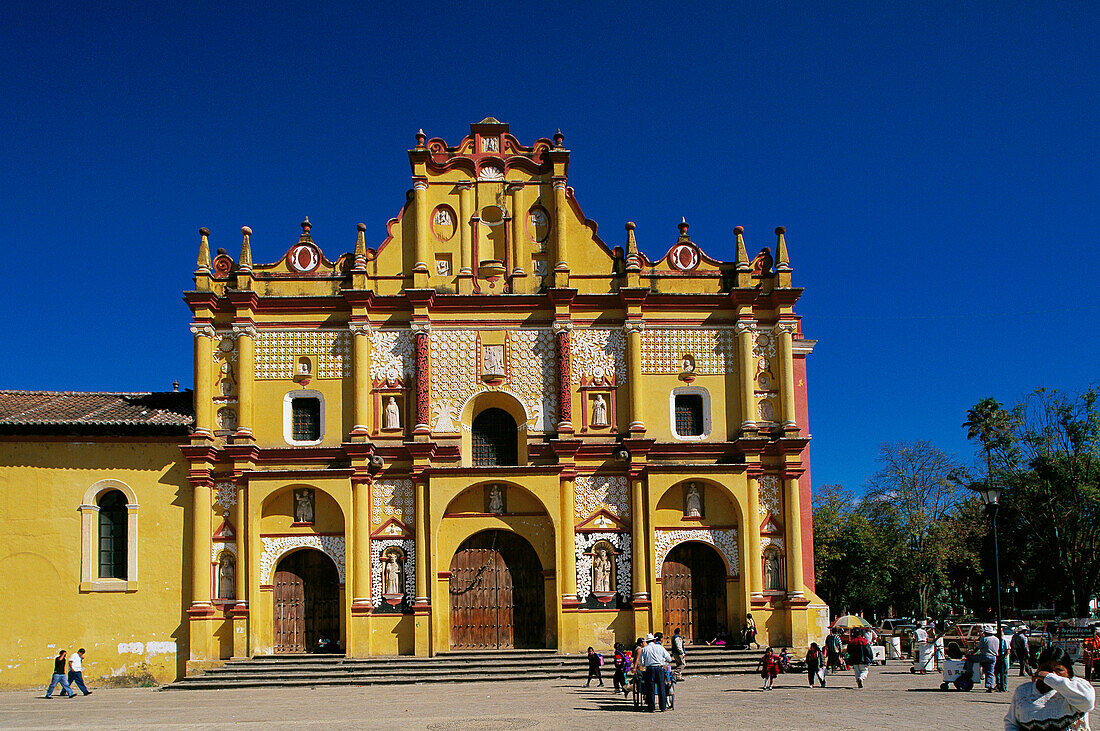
(893, 699)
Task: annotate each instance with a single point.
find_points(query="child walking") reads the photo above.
(770, 668)
(815, 664)
(594, 662)
(622, 664)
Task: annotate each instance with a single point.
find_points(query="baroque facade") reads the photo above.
(492, 429)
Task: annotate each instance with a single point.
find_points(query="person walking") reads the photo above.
(1055, 699)
(1090, 654)
(920, 648)
(769, 668)
(815, 664)
(60, 676)
(986, 655)
(652, 659)
(623, 661)
(594, 663)
(1019, 649)
(748, 632)
(859, 657)
(679, 655)
(76, 672)
(833, 651)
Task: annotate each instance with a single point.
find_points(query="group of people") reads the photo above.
(68, 671)
(654, 668)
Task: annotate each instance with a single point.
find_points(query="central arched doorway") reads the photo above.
(307, 601)
(496, 592)
(693, 587)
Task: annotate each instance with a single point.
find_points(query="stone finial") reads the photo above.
(559, 138)
(420, 137)
(202, 266)
(683, 226)
(175, 386)
(245, 262)
(782, 258)
(741, 257)
(633, 260)
(360, 247)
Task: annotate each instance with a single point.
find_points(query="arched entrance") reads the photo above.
(307, 601)
(496, 592)
(693, 587)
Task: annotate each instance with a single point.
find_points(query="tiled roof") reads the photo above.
(71, 412)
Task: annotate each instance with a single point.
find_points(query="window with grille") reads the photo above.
(689, 415)
(494, 438)
(306, 416)
(112, 535)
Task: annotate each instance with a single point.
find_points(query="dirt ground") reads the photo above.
(893, 699)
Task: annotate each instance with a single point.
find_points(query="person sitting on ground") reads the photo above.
(784, 661)
(1054, 700)
(722, 639)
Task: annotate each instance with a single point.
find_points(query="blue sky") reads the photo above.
(935, 165)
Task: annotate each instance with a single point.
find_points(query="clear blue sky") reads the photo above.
(935, 165)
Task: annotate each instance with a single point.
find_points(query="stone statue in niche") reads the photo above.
(304, 367)
(227, 587)
(767, 411)
(391, 575)
(765, 381)
(771, 571)
(538, 217)
(391, 418)
(227, 418)
(443, 217)
(303, 505)
(599, 411)
(762, 263)
(443, 267)
(490, 144)
(496, 499)
(689, 364)
(492, 360)
(602, 571)
(693, 502)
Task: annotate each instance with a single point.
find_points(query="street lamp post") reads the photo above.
(991, 496)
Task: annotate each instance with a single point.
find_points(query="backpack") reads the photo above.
(598, 655)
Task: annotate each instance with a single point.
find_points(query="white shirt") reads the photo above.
(653, 654)
(76, 663)
(1066, 705)
(922, 634)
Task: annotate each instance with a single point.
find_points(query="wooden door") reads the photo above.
(693, 583)
(307, 602)
(496, 593)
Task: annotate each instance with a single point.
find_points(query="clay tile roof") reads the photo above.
(71, 412)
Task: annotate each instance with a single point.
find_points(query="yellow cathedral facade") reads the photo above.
(490, 430)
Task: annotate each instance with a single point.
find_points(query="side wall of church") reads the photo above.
(51, 596)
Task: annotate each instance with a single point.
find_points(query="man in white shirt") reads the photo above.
(76, 671)
(653, 658)
(920, 648)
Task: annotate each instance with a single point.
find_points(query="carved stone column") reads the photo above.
(562, 332)
(568, 542)
(239, 612)
(638, 542)
(421, 546)
(361, 384)
(201, 528)
(246, 358)
(752, 534)
(420, 268)
(360, 575)
(747, 380)
(793, 519)
(561, 252)
(633, 330)
(785, 333)
(420, 340)
(204, 387)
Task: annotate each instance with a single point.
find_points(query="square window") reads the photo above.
(689, 415)
(306, 419)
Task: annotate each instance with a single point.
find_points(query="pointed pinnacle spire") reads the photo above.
(631, 242)
(741, 257)
(244, 264)
(782, 259)
(420, 137)
(202, 266)
(559, 138)
(360, 248)
(683, 226)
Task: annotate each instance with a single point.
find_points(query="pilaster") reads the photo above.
(420, 198)
(204, 386)
(561, 250)
(784, 335)
(633, 329)
(361, 384)
(465, 228)
(747, 377)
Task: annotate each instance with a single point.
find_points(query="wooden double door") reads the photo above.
(497, 594)
(693, 587)
(307, 601)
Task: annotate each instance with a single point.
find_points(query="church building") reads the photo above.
(491, 429)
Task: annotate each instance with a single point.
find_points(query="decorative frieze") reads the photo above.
(769, 495)
(622, 559)
(225, 495)
(392, 499)
(454, 376)
(391, 354)
(598, 354)
(724, 539)
(275, 546)
(714, 351)
(592, 493)
(277, 350)
(219, 547)
(533, 373)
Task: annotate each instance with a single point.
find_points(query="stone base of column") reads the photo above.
(565, 427)
(636, 427)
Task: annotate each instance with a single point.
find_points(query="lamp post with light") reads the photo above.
(991, 497)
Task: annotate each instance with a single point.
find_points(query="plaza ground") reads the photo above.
(893, 699)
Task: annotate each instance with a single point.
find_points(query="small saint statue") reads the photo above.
(599, 411)
(227, 588)
(391, 576)
(694, 502)
(496, 499)
(689, 364)
(493, 360)
(771, 571)
(303, 506)
(601, 572)
(391, 419)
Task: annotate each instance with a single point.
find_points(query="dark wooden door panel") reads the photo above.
(693, 589)
(307, 601)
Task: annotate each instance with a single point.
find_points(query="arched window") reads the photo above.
(494, 438)
(112, 535)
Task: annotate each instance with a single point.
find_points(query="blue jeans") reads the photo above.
(59, 678)
(78, 678)
(655, 681)
(987, 672)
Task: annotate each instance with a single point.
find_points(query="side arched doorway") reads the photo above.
(496, 593)
(307, 601)
(693, 588)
